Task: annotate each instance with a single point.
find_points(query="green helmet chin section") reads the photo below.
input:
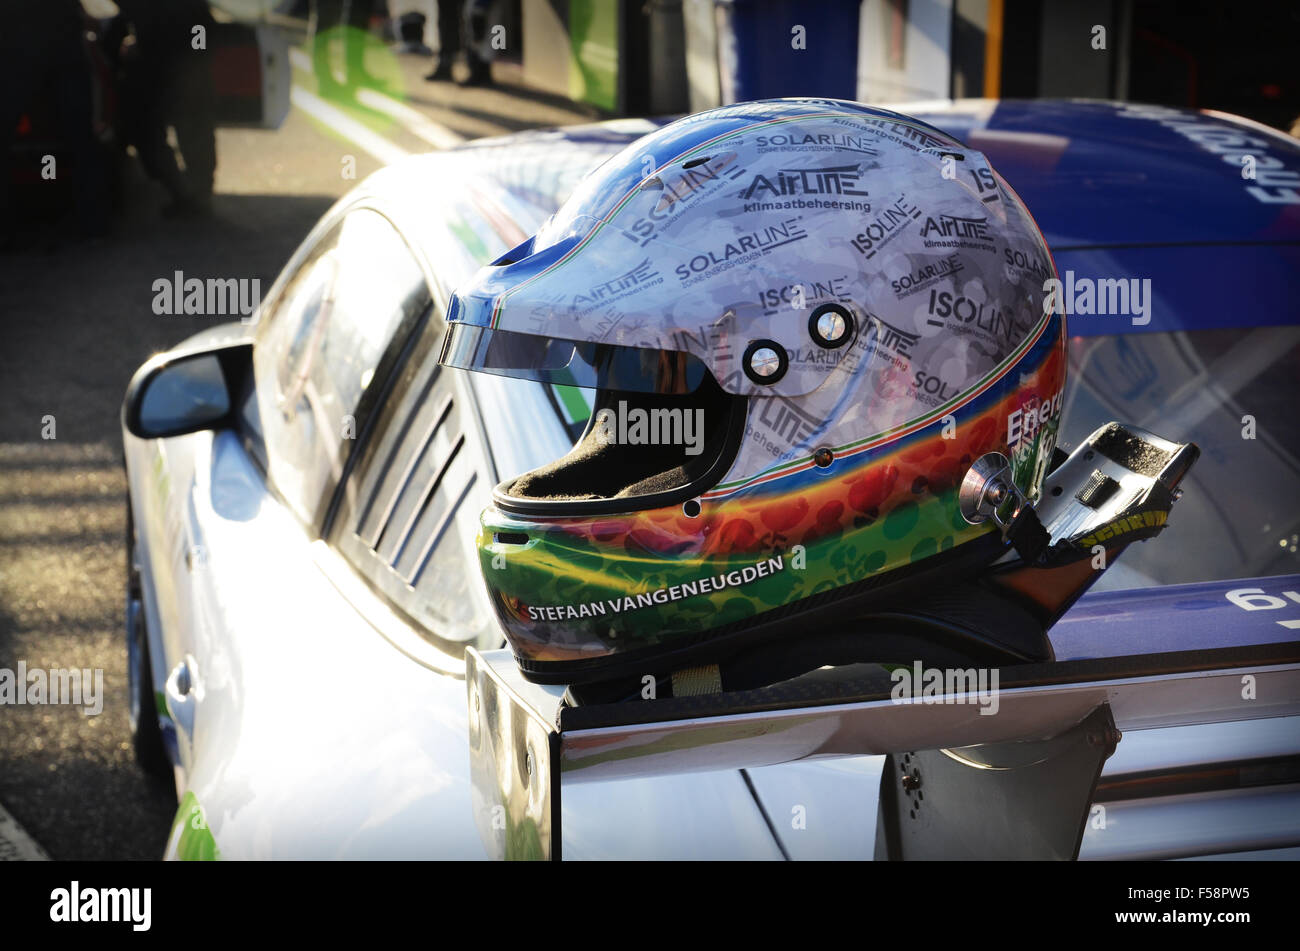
(592, 588)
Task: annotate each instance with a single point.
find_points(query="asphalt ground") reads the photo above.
(76, 321)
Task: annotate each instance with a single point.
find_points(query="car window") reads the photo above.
(1234, 393)
(410, 512)
(316, 353)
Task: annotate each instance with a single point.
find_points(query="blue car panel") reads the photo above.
(1126, 191)
(1181, 617)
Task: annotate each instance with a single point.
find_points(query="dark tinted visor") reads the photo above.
(570, 363)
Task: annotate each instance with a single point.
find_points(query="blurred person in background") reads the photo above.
(463, 24)
(410, 18)
(328, 18)
(167, 82)
(44, 64)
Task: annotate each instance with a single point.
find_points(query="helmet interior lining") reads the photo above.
(641, 446)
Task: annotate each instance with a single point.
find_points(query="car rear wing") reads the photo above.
(1003, 766)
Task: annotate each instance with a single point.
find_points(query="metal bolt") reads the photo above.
(912, 780)
(1107, 736)
(831, 327)
(764, 361)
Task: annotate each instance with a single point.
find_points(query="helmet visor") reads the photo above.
(598, 366)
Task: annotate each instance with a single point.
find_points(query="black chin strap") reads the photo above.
(1029, 538)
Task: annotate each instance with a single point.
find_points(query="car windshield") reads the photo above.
(1236, 394)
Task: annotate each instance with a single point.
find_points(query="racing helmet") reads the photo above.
(803, 321)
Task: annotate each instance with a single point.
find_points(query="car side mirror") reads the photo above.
(181, 392)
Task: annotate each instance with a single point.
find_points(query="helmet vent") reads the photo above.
(695, 162)
(510, 538)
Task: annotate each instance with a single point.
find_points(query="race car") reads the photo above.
(314, 662)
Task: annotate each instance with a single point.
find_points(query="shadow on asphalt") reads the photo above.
(77, 320)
